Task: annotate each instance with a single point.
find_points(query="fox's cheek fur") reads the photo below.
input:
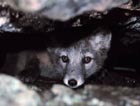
(62, 64)
(89, 65)
(90, 71)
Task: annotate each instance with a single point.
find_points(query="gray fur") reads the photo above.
(95, 46)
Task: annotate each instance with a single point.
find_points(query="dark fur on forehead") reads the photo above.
(70, 36)
(102, 30)
(85, 41)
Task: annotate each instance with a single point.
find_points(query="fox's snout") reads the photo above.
(73, 81)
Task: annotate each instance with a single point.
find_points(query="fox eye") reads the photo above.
(87, 60)
(65, 59)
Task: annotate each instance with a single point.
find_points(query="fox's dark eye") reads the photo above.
(87, 60)
(65, 59)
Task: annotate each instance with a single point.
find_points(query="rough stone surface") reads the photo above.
(6, 19)
(65, 9)
(14, 93)
(92, 95)
(15, 21)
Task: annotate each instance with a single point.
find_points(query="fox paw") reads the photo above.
(28, 76)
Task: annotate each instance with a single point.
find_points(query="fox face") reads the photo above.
(74, 64)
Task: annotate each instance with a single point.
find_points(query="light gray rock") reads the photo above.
(92, 95)
(14, 93)
(65, 9)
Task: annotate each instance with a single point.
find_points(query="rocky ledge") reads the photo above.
(15, 93)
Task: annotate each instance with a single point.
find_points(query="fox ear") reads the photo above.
(100, 40)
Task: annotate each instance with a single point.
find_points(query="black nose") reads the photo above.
(72, 82)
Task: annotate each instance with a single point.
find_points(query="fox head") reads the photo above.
(80, 60)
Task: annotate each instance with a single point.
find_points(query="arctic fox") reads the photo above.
(73, 64)
(80, 60)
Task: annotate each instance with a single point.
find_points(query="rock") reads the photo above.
(93, 95)
(65, 9)
(14, 93)
(19, 22)
(6, 19)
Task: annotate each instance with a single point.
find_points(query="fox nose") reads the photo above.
(72, 82)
